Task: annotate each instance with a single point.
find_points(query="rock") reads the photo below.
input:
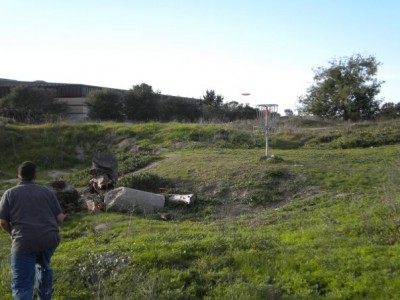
(67, 195)
(101, 227)
(166, 216)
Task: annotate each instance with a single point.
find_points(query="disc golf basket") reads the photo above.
(267, 115)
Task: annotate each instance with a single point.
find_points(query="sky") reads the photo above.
(267, 48)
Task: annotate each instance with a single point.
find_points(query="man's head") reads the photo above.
(27, 171)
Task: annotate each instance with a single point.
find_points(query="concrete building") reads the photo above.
(72, 94)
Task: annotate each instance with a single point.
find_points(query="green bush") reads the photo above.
(105, 105)
(144, 181)
(32, 105)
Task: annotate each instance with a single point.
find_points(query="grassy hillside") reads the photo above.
(319, 221)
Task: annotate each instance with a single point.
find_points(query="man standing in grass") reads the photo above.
(29, 213)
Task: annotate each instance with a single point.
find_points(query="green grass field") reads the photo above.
(319, 221)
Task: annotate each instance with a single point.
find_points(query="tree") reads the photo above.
(345, 90)
(179, 109)
(212, 108)
(235, 111)
(105, 105)
(211, 99)
(31, 105)
(390, 110)
(141, 103)
(288, 112)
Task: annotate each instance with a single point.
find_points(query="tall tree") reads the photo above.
(346, 90)
(211, 99)
(31, 105)
(141, 103)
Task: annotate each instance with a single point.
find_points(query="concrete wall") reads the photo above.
(77, 109)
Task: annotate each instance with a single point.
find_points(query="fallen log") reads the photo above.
(129, 200)
(188, 199)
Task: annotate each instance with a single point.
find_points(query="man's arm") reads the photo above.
(60, 216)
(5, 226)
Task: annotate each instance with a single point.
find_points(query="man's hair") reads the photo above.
(27, 170)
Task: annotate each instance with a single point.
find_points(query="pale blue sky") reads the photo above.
(266, 48)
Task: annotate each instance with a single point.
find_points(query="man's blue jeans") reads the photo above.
(23, 269)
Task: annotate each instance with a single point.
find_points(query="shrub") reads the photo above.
(144, 181)
(105, 105)
(31, 105)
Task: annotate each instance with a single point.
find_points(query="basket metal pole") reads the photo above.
(266, 112)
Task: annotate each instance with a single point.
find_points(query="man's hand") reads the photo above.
(5, 226)
(61, 217)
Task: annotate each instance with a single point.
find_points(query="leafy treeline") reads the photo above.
(139, 104)
(345, 90)
(142, 104)
(31, 105)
